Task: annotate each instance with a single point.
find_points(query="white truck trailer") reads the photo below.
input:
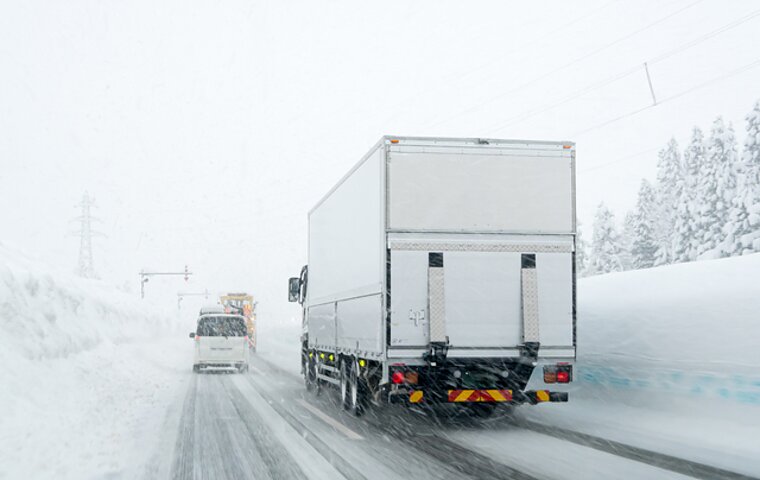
(442, 270)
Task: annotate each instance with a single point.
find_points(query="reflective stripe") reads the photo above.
(416, 396)
(489, 396)
(464, 396)
(497, 396)
(542, 395)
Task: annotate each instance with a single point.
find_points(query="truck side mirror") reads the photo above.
(294, 288)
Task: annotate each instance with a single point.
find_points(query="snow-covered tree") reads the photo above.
(581, 252)
(716, 189)
(743, 226)
(605, 246)
(626, 241)
(668, 192)
(643, 224)
(688, 235)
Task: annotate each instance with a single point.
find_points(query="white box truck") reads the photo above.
(442, 270)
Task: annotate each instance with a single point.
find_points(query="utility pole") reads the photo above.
(145, 276)
(651, 88)
(85, 219)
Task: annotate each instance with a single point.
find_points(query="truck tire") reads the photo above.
(307, 374)
(312, 381)
(357, 392)
(196, 368)
(344, 390)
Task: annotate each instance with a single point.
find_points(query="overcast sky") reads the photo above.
(207, 129)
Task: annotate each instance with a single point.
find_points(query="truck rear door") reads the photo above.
(481, 241)
(221, 339)
(482, 305)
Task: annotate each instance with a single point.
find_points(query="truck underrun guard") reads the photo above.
(531, 397)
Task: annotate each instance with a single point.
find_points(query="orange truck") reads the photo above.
(243, 304)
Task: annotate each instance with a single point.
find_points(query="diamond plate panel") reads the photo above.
(436, 304)
(529, 304)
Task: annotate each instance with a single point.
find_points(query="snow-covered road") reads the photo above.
(265, 424)
(99, 385)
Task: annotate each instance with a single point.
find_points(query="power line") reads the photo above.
(619, 160)
(525, 46)
(460, 75)
(705, 37)
(659, 58)
(572, 62)
(564, 100)
(711, 81)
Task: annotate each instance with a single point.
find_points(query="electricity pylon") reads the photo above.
(85, 219)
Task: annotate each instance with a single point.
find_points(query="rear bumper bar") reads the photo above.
(509, 397)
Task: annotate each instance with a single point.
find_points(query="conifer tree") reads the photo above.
(581, 252)
(743, 227)
(605, 247)
(667, 192)
(644, 241)
(688, 236)
(716, 188)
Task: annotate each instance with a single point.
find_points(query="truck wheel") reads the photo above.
(308, 374)
(196, 368)
(312, 381)
(344, 380)
(356, 392)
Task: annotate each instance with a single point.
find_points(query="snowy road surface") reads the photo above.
(264, 424)
(101, 386)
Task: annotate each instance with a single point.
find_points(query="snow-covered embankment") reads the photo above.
(669, 359)
(87, 375)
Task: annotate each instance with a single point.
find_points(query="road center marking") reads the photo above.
(331, 421)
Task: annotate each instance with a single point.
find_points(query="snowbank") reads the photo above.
(88, 373)
(668, 360)
(691, 330)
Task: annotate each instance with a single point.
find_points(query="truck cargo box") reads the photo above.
(470, 242)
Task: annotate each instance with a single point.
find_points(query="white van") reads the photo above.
(221, 341)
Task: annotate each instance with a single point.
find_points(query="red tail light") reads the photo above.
(397, 377)
(197, 338)
(559, 373)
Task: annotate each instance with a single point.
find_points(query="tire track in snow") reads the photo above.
(332, 456)
(642, 455)
(221, 437)
(183, 460)
(459, 459)
(432, 446)
(277, 458)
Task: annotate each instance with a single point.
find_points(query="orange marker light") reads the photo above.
(394, 141)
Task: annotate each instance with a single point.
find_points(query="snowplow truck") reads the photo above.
(242, 304)
(442, 271)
